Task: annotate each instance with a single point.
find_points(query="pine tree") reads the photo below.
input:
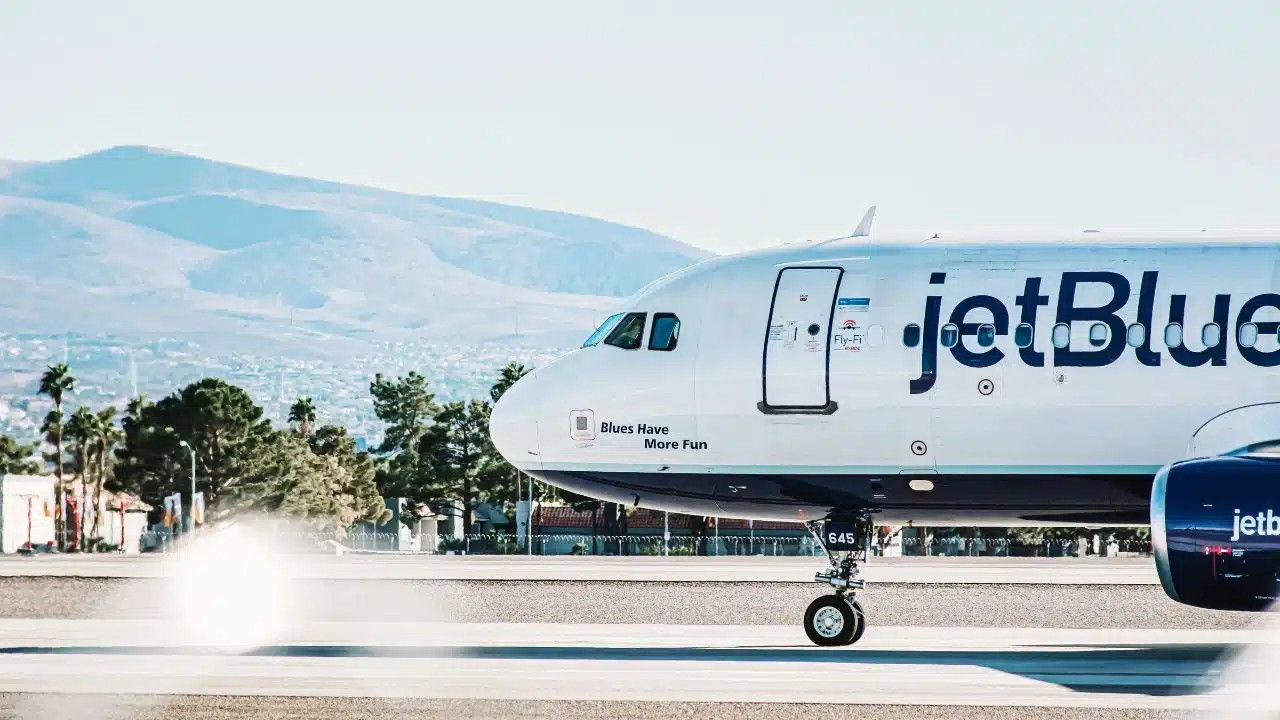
(360, 497)
(233, 441)
(456, 461)
(409, 410)
(17, 459)
(149, 459)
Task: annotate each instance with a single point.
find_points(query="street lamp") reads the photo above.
(30, 499)
(183, 443)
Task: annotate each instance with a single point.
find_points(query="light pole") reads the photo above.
(124, 503)
(191, 450)
(30, 499)
(666, 533)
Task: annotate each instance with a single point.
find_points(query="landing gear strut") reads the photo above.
(834, 620)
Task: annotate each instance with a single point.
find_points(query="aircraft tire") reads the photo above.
(862, 620)
(831, 621)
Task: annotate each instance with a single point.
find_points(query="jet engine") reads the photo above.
(1215, 529)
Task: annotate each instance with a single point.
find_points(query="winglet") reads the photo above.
(864, 227)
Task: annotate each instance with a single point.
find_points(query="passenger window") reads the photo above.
(911, 335)
(1098, 334)
(1247, 335)
(986, 335)
(1135, 335)
(1172, 335)
(603, 330)
(1024, 335)
(629, 332)
(950, 335)
(665, 333)
(1211, 335)
(1061, 335)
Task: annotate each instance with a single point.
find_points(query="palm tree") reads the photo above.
(106, 435)
(512, 372)
(56, 381)
(303, 413)
(81, 429)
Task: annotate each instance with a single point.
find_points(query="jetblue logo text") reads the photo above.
(1266, 523)
(970, 313)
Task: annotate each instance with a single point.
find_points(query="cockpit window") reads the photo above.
(629, 332)
(665, 333)
(603, 330)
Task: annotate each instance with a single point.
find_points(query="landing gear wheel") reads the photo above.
(834, 620)
(831, 621)
(862, 620)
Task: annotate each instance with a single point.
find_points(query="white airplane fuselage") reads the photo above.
(957, 382)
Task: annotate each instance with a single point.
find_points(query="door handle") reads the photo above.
(736, 488)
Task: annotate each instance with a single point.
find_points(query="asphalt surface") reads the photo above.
(28, 707)
(687, 603)
(1021, 602)
(969, 570)
(1155, 669)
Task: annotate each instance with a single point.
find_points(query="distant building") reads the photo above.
(26, 511)
(489, 519)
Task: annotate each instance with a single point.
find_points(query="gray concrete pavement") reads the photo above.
(221, 707)
(573, 637)
(684, 603)
(1055, 571)
(1024, 667)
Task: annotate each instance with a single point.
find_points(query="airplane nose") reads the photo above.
(513, 425)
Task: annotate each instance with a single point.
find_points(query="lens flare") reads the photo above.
(1243, 682)
(229, 589)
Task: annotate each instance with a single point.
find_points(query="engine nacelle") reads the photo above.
(1215, 529)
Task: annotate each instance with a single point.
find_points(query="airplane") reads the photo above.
(1093, 379)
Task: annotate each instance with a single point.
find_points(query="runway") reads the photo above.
(603, 637)
(1152, 669)
(1053, 571)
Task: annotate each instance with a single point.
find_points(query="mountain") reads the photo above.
(7, 166)
(141, 240)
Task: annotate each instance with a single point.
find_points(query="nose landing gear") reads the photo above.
(834, 620)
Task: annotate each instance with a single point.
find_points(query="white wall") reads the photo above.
(135, 523)
(14, 493)
(109, 524)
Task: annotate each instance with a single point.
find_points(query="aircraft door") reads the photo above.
(798, 342)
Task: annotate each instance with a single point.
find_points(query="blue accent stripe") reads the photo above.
(855, 469)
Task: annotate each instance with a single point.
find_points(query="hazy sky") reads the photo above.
(728, 125)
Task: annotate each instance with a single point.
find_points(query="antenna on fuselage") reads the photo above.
(863, 229)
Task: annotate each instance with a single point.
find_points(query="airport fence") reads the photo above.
(641, 545)
(1013, 547)
(676, 545)
(543, 544)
